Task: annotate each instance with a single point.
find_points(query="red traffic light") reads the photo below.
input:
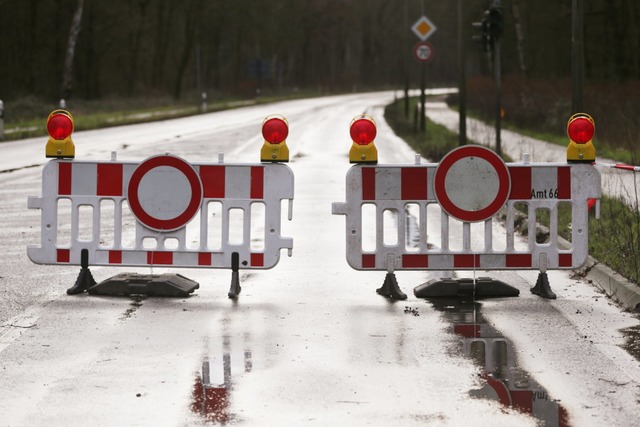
(363, 130)
(59, 126)
(275, 129)
(581, 129)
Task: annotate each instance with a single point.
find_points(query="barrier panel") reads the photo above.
(162, 212)
(389, 209)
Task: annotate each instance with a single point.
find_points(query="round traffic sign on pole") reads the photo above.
(423, 51)
(164, 193)
(472, 183)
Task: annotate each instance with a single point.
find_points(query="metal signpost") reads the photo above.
(577, 55)
(423, 28)
(495, 26)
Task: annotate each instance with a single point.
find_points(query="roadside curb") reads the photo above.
(613, 284)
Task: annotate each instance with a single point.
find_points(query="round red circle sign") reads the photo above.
(164, 193)
(423, 51)
(472, 183)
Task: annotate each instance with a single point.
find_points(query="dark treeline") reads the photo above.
(182, 47)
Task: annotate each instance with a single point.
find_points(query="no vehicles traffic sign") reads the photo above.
(472, 183)
(164, 193)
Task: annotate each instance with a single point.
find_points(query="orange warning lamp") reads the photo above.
(275, 130)
(363, 132)
(581, 129)
(60, 128)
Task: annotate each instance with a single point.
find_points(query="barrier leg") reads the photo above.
(85, 278)
(542, 287)
(390, 288)
(235, 289)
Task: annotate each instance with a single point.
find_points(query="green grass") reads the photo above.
(615, 238)
(26, 117)
(89, 118)
(432, 144)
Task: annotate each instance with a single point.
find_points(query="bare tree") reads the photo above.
(138, 10)
(192, 20)
(74, 31)
(517, 14)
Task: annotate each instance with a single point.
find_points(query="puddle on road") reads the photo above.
(505, 381)
(214, 383)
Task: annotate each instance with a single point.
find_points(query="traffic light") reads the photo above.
(580, 129)
(60, 128)
(491, 28)
(275, 130)
(363, 132)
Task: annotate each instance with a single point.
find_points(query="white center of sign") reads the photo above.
(472, 183)
(164, 192)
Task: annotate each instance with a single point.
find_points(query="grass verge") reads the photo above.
(617, 238)
(26, 117)
(86, 118)
(432, 144)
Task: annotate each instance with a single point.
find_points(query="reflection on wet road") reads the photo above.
(214, 384)
(504, 380)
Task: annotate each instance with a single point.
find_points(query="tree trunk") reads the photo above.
(139, 10)
(164, 28)
(74, 30)
(192, 21)
(519, 36)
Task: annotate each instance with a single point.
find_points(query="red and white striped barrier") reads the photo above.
(163, 211)
(622, 166)
(469, 188)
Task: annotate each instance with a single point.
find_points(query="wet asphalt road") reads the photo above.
(308, 342)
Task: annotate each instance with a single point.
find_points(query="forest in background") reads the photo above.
(177, 49)
(180, 47)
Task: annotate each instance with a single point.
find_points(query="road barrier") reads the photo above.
(150, 189)
(157, 199)
(137, 214)
(389, 209)
(163, 211)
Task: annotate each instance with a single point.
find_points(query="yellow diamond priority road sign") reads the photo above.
(423, 28)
